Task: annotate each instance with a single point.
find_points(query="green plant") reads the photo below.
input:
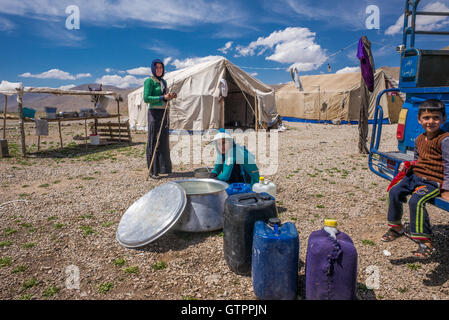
(29, 283)
(87, 230)
(159, 265)
(414, 267)
(29, 245)
(6, 243)
(320, 206)
(52, 218)
(131, 269)
(59, 225)
(105, 287)
(45, 185)
(5, 261)
(26, 297)
(50, 292)
(119, 262)
(368, 242)
(403, 290)
(189, 298)
(20, 268)
(8, 231)
(26, 225)
(107, 224)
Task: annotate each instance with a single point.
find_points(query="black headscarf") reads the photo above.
(153, 70)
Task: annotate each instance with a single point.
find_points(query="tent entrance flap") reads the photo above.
(238, 108)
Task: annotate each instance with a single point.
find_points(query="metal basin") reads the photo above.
(202, 173)
(205, 205)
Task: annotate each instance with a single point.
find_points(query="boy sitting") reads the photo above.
(424, 180)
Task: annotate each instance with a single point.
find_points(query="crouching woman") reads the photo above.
(234, 164)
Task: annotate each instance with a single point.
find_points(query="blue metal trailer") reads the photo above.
(424, 74)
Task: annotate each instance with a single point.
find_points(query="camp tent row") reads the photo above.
(326, 98)
(198, 107)
(336, 98)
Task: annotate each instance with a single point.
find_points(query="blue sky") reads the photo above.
(117, 39)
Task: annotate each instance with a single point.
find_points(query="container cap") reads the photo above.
(152, 215)
(261, 179)
(330, 223)
(273, 221)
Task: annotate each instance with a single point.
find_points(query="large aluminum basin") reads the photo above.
(205, 205)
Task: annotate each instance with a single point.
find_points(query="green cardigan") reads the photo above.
(152, 94)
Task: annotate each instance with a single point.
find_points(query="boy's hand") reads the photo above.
(445, 195)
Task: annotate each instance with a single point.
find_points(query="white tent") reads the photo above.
(198, 107)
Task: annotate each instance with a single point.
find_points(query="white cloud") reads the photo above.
(348, 70)
(67, 87)
(424, 23)
(50, 74)
(254, 74)
(167, 61)
(83, 75)
(226, 47)
(141, 71)
(291, 45)
(55, 74)
(180, 64)
(6, 25)
(121, 82)
(172, 13)
(108, 70)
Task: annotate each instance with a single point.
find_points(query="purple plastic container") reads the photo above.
(331, 267)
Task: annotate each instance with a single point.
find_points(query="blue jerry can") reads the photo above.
(275, 260)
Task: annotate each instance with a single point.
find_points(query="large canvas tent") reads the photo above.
(335, 98)
(198, 108)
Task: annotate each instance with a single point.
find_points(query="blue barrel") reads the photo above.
(275, 260)
(331, 267)
(236, 188)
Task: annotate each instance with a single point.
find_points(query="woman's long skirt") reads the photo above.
(162, 161)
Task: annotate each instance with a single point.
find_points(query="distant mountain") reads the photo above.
(65, 103)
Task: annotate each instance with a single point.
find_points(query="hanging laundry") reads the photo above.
(296, 79)
(366, 62)
(41, 127)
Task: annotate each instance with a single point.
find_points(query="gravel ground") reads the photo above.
(74, 200)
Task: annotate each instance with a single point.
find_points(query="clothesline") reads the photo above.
(331, 55)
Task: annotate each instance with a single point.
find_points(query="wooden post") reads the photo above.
(85, 132)
(38, 143)
(21, 122)
(119, 130)
(60, 134)
(4, 120)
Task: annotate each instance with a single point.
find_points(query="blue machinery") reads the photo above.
(424, 75)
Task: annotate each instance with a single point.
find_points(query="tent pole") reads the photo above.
(257, 111)
(222, 113)
(4, 119)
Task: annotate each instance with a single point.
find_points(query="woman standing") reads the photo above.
(156, 95)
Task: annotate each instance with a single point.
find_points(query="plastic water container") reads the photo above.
(236, 188)
(331, 264)
(240, 214)
(27, 112)
(265, 186)
(275, 260)
(50, 112)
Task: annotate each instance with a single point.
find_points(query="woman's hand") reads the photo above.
(170, 96)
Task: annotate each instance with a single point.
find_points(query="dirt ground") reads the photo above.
(72, 201)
